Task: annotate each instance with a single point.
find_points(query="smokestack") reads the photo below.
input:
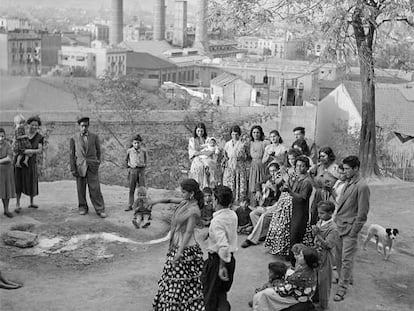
(117, 22)
(159, 20)
(180, 23)
(201, 39)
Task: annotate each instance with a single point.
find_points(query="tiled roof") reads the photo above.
(394, 105)
(35, 94)
(152, 47)
(224, 79)
(141, 60)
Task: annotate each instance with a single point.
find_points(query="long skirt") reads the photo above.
(278, 236)
(257, 174)
(7, 190)
(180, 288)
(236, 180)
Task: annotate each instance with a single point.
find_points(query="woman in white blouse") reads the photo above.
(198, 170)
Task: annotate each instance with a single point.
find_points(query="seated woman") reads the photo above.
(299, 286)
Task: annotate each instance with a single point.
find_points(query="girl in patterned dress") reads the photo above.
(234, 162)
(257, 169)
(298, 287)
(180, 287)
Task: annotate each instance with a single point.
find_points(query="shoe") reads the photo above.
(246, 243)
(262, 239)
(102, 215)
(250, 303)
(18, 210)
(340, 295)
(146, 225)
(135, 223)
(8, 214)
(129, 208)
(83, 213)
(33, 206)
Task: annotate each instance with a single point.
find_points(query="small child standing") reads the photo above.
(142, 209)
(207, 211)
(21, 141)
(136, 161)
(326, 239)
(277, 271)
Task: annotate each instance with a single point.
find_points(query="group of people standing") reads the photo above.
(18, 164)
(289, 200)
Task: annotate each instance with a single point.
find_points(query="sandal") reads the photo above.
(340, 294)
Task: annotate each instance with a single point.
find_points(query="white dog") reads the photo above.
(385, 236)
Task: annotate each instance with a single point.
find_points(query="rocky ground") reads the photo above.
(87, 263)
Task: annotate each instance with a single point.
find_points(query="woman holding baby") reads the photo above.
(203, 152)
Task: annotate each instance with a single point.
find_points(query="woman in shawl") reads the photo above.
(180, 287)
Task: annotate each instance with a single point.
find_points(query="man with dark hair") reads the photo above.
(299, 133)
(353, 207)
(85, 158)
(219, 268)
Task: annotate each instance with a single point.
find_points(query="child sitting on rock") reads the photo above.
(277, 271)
(142, 209)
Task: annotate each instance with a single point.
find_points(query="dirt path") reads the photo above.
(125, 276)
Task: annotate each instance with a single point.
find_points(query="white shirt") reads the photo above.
(222, 234)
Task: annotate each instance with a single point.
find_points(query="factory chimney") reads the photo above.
(117, 23)
(201, 38)
(180, 23)
(159, 20)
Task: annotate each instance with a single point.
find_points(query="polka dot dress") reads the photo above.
(180, 288)
(278, 236)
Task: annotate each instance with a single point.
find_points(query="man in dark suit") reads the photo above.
(85, 158)
(353, 207)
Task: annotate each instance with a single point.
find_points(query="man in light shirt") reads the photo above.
(219, 268)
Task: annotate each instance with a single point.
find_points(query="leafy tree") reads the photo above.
(344, 23)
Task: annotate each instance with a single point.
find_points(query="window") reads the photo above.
(213, 75)
(80, 58)
(153, 76)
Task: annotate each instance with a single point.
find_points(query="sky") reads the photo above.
(87, 4)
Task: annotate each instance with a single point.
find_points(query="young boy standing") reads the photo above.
(207, 211)
(219, 268)
(326, 239)
(136, 161)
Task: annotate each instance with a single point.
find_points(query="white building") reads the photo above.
(95, 61)
(11, 24)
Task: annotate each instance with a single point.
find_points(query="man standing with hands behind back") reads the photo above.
(85, 158)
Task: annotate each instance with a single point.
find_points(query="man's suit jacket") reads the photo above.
(85, 157)
(353, 207)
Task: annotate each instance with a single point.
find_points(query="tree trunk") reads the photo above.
(367, 145)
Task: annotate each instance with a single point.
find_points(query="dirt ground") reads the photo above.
(98, 274)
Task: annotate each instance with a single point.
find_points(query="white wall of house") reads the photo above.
(334, 110)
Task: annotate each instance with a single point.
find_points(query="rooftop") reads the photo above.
(141, 60)
(394, 105)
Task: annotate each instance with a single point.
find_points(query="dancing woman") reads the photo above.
(180, 287)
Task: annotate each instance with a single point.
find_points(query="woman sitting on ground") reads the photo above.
(299, 286)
